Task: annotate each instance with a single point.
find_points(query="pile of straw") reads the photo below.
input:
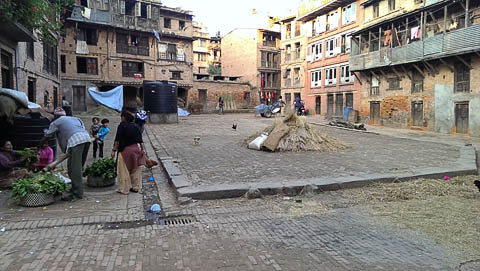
(301, 137)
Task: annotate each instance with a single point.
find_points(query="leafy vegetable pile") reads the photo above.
(31, 156)
(47, 183)
(104, 168)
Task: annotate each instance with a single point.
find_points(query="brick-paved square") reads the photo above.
(222, 157)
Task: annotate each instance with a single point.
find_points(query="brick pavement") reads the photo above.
(235, 234)
(222, 158)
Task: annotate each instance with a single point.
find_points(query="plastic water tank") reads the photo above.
(160, 97)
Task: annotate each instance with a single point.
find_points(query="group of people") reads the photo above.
(75, 141)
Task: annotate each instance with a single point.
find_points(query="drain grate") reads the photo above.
(176, 221)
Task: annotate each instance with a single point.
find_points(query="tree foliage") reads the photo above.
(46, 17)
(214, 70)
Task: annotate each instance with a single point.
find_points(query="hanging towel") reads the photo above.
(415, 33)
(82, 47)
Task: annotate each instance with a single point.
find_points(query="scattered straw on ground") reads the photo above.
(101, 110)
(446, 211)
(302, 137)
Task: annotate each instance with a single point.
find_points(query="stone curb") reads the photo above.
(465, 165)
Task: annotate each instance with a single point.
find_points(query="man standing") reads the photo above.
(74, 139)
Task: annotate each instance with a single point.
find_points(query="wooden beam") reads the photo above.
(466, 13)
(378, 78)
(463, 61)
(430, 67)
(396, 72)
(358, 78)
(419, 70)
(383, 73)
(445, 13)
(406, 72)
(450, 67)
(477, 53)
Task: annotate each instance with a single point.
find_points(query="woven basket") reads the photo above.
(94, 181)
(36, 200)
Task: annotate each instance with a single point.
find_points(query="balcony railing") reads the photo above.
(297, 55)
(374, 91)
(171, 57)
(133, 50)
(287, 57)
(288, 82)
(266, 64)
(435, 47)
(296, 82)
(270, 43)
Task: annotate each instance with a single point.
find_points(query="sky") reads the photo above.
(226, 15)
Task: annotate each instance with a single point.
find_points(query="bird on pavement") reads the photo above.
(234, 127)
(477, 184)
(196, 140)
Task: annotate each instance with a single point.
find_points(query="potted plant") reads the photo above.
(101, 173)
(38, 190)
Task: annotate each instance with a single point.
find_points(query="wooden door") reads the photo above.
(248, 99)
(79, 99)
(417, 113)
(461, 118)
(318, 108)
(202, 97)
(339, 105)
(375, 113)
(330, 105)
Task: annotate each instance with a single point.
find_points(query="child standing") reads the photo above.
(100, 138)
(93, 131)
(46, 154)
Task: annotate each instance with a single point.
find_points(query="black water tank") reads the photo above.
(160, 97)
(27, 131)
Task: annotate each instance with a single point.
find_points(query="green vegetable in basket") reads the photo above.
(47, 183)
(104, 168)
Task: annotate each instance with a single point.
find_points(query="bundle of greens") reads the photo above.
(104, 168)
(47, 183)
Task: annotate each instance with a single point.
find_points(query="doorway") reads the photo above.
(318, 108)
(461, 118)
(202, 97)
(55, 97)
(32, 82)
(417, 113)
(339, 104)
(79, 99)
(248, 99)
(330, 104)
(375, 113)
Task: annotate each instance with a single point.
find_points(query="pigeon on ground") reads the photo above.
(234, 127)
(477, 184)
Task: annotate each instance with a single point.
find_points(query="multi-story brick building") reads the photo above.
(29, 65)
(215, 51)
(293, 44)
(254, 55)
(330, 84)
(201, 54)
(419, 63)
(112, 43)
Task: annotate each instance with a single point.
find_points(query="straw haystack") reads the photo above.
(294, 134)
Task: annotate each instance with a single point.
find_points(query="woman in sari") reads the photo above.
(130, 156)
(10, 161)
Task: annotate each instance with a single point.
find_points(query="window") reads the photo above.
(63, 64)
(349, 14)
(87, 65)
(391, 5)
(320, 25)
(462, 77)
(296, 76)
(297, 28)
(181, 25)
(346, 77)
(393, 83)
(167, 22)
(84, 3)
(346, 41)
(333, 20)
(331, 76)
(176, 75)
(288, 30)
(143, 10)
(317, 51)
(129, 7)
(316, 78)
(331, 47)
(132, 44)
(288, 51)
(87, 34)
(129, 69)
(202, 43)
(202, 57)
(376, 10)
(32, 89)
(288, 79)
(297, 50)
(349, 100)
(417, 82)
(46, 98)
(7, 70)
(168, 51)
(50, 62)
(30, 47)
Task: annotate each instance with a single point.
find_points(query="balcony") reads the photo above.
(270, 43)
(439, 46)
(270, 65)
(172, 57)
(374, 91)
(133, 50)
